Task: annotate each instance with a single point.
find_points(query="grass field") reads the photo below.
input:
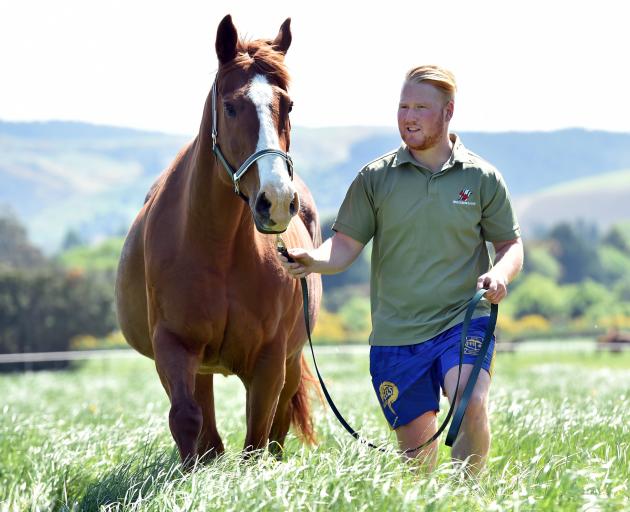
(97, 438)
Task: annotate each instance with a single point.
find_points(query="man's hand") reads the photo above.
(495, 284)
(302, 266)
(508, 262)
(333, 256)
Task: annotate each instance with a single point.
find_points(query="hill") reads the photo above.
(601, 200)
(93, 179)
(60, 175)
(529, 161)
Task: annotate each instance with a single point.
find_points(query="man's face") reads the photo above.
(423, 115)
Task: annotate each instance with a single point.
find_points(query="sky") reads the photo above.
(520, 66)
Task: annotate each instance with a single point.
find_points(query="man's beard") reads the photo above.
(430, 140)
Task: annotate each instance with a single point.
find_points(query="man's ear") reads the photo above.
(450, 109)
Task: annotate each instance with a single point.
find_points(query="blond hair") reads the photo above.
(437, 76)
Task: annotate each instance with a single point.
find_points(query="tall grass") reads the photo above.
(97, 438)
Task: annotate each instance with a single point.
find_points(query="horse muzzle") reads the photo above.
(261, 228)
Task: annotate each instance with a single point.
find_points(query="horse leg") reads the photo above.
(210, 445)
(263, 390)
(282, 418)
(177, 367)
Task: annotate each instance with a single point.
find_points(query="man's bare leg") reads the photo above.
(473, 441)
(416, 432)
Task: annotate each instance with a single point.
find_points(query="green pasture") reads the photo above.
(97, 438)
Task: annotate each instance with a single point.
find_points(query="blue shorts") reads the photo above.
(407, 379)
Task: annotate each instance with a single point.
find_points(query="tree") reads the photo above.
(42, 306)
(622, 290)
(576, 254)
(583, 296)
(16, 251)
(71, 239)
(42, 310)
(617, 238)
(615, 264)
(102, 257)
(540, 260)
(537, 295)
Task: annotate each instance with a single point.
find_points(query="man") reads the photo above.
(429, 207)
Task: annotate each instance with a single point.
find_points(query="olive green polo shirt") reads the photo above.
(429, 232)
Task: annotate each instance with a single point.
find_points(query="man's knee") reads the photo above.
(477, 409)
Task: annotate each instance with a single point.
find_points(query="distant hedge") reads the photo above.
(42, 310)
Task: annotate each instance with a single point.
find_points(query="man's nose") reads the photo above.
(410, 115)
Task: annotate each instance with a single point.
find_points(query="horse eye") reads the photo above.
(229, 109)
(290, 106)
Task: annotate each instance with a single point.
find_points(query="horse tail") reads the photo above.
(300, 404)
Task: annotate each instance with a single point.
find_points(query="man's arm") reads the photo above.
(333, 256)
(508, 262)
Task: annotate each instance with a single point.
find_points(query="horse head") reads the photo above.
(251, 127)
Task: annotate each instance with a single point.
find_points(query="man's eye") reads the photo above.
(229, 109)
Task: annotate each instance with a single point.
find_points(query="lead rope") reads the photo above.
(472, 379)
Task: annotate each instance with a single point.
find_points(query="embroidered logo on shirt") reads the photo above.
(463, 197)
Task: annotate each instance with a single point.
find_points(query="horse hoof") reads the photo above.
(210, 456)
(276, 450)
(250, 454)
(189, 464)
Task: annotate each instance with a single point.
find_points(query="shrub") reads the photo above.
(42, 310)
(537, 295)
(528, 325)
(329, 328)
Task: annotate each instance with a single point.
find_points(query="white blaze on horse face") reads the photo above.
(272, 169)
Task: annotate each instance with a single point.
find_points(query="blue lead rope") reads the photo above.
(451, 436)
(472, 379)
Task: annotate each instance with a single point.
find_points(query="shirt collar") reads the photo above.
(458, 154)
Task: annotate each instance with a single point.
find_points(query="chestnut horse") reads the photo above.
(199, 288)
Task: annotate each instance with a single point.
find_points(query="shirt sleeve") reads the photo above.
(498, 218)
(356, 217)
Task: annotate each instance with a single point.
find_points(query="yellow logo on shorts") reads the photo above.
(472, 345)
(389, 394)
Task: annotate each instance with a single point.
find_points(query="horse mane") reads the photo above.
(260, 56)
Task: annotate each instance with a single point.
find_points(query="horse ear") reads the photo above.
(283, 40)
(226, 40)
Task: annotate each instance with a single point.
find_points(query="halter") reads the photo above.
(235, 176)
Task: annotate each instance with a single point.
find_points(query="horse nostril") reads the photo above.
(294, 205)
(263, 206)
